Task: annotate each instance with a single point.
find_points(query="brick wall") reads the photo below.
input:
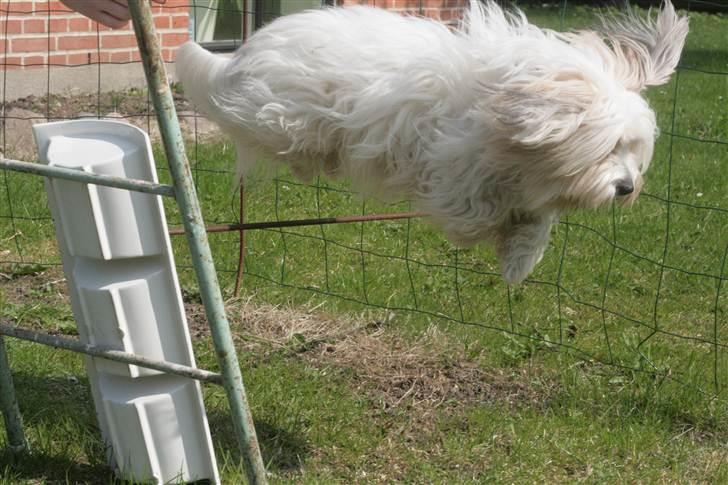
(34, 33)
(37, 32)
(448, 11)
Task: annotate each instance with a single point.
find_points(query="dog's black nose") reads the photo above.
(624, 187)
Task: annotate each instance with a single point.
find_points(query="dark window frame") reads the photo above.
(257, 22)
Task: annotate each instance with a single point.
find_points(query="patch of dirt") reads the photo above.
(17, 117)
(33, 284)
(36, 298)
(132, 102)
(16, 125)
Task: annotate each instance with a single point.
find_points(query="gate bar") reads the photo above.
(110, 354)
(88, 178)
(13, 420)
(202, 261)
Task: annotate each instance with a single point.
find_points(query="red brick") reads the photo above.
(21, 7)
(57, 59)
(135, 56)
(12, 61)
(56, 6)
(12, 27)
(183, 10)
(438, 4)
(123, 56)
(174, 39)
(59, 25)
(81, 58)
(80, 24)
(33, 44)
(34, 26)
(161, 21)
(117, 41)
(77, 42)
(449, 14)
(33, 60)
(180, 21)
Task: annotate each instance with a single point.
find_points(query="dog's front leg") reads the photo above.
(521, 245)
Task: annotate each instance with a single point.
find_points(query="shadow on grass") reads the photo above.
(45, 468)
(282, 450)
(65, 440)
(60, 423)
(705, 59)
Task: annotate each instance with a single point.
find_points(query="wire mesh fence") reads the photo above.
(640, 289)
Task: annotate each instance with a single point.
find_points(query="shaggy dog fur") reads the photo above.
(493, 128)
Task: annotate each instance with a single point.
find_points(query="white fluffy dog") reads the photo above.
(493, 129)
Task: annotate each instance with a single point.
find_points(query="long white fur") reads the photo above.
(493, 129)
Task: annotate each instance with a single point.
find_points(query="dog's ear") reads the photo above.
(541, 108)
(543, 111)
(553, 114)
(644, 52)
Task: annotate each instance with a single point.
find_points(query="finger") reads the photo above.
(110, 20)
(116, 8)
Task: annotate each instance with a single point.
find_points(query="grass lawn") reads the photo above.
(383, 353)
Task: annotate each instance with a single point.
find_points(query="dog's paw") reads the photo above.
(522, 246)
(515, 269)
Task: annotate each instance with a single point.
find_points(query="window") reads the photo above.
(222, 24)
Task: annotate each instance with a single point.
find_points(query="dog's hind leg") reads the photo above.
(251, 158)
(521, 246)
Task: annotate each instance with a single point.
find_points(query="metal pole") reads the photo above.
(110, 354)
(88, 178)
(149, 49)
(13, 421)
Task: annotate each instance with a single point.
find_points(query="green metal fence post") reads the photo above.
(186, 196)
(9, 404)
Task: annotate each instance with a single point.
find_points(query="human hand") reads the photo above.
(111, 13)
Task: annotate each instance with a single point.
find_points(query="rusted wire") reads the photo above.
(241, 244)
(303, 222)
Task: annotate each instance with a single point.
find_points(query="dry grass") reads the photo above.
(392, 370)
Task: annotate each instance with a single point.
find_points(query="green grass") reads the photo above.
(621, 329)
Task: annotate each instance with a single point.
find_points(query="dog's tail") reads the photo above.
(200, 73)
